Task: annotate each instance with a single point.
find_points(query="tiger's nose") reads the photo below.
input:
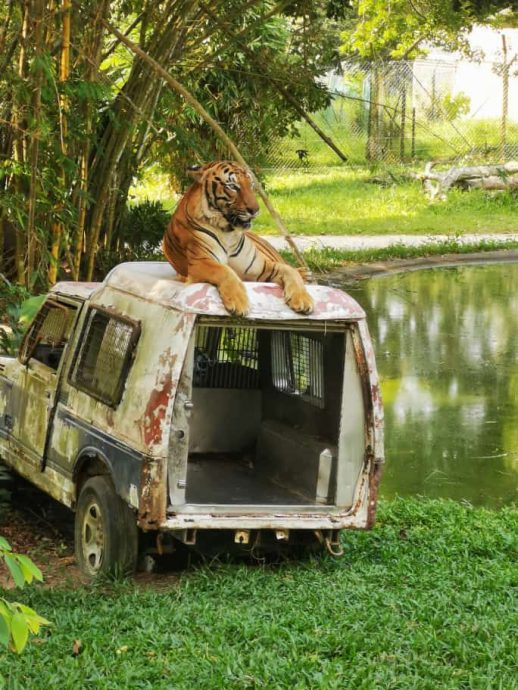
(253, 211)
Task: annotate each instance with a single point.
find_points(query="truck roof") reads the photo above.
(158, 282)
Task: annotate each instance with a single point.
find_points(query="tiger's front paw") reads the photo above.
(235, 299)
(300, 301)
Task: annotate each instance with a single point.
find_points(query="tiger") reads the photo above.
(208, 239)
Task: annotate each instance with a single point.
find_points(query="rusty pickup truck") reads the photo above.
(141, 404)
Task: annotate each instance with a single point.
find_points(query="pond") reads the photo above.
(446, 343)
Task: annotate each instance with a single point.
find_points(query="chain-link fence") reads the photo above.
(399, 112)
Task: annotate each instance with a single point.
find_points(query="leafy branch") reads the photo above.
(17, 621)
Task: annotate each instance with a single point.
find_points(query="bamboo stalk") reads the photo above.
(93, 59)
(38, 17)
(139, 87)
(187, 96)
(64, 71)
(20, 148)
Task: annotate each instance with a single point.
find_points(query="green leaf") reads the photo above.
(19, 631)
(30, 569)
(5, 631)
(4, 545)
(15, 570)
(34, 620)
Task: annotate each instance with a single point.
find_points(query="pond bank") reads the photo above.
(391, 266)
(347, 254)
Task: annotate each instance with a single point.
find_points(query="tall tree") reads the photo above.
(80, 116)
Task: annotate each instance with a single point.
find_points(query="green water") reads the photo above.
(446, 344)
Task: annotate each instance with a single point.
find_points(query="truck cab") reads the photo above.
(142, 405)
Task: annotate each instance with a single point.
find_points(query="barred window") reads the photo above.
(105, 354)
(226, 358)
(298, 365)
(48, 334)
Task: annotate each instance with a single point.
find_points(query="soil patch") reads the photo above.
(36, 525)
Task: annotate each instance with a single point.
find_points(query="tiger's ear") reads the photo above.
(196, 172)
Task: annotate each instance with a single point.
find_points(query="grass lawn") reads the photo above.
(426, 600)
(342, 202)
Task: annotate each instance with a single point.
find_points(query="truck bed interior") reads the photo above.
(264, 426)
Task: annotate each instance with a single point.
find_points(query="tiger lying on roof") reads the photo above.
(206, 240)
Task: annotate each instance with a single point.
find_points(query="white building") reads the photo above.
(441, 71)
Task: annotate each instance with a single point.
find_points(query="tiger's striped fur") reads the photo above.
(207, 239)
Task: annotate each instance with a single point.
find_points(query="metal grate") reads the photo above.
(51, 327)
(298, 366)
(105, 356)
(226, 358)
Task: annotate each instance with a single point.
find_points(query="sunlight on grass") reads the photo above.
(424, 600)
(344, 202)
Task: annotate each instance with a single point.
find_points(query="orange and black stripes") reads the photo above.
(207, 239)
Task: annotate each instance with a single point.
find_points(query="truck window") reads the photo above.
(298, 365)
(48, 334)
(104, 355)
(226, 358)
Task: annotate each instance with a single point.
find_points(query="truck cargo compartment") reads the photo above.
(264, 424)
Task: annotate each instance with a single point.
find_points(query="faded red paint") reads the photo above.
(156, 409)
(268, 290)
(333, 299)
(200, 294)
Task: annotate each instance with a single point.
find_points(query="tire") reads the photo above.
(106, 533)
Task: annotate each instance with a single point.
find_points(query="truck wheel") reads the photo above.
(106, 533)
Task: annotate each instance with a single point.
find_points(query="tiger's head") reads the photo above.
(227, 194)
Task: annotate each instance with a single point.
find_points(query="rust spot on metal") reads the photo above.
(109, 417)
(374, 483)
(152, 503)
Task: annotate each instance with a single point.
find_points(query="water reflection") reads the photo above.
(447, 351)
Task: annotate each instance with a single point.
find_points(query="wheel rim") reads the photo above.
(93, 537)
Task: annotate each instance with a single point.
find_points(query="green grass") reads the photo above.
(426, 600)
(342, 202)
(328, 258)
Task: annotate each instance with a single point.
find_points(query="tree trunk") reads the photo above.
(493, 177)
(37, 15)
(20, 146)
(64, 71)
(91, 60)
(140, 87)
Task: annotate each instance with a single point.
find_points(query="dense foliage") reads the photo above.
(80, 115)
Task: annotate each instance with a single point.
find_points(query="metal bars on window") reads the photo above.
(226, 358)
(104, 358)
(51, 327)
(298, 365)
